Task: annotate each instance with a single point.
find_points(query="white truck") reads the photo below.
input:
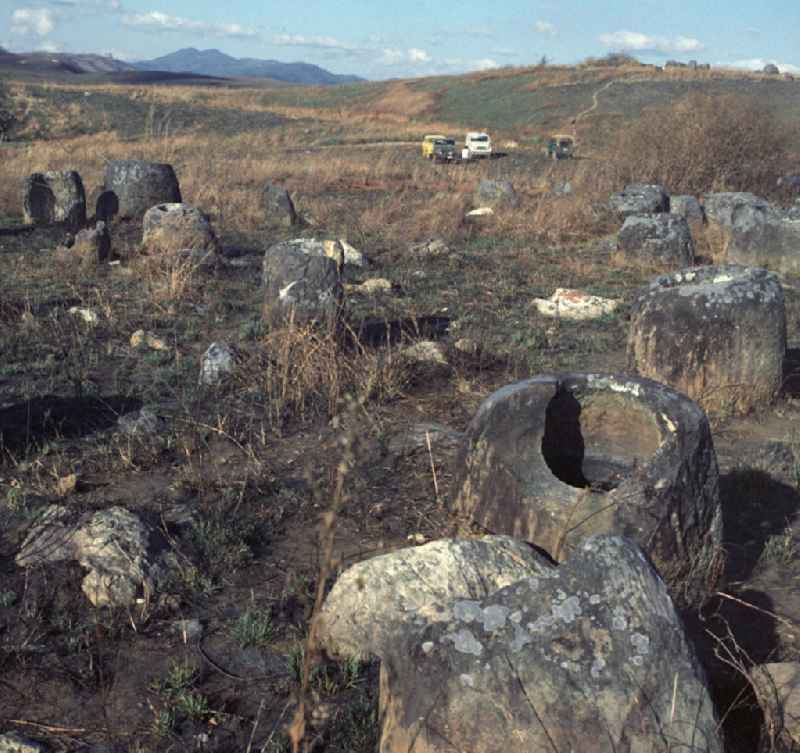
(477, 144)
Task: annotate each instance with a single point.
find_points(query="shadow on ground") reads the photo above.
(31, 422)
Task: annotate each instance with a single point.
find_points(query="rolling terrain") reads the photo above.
(237, 477)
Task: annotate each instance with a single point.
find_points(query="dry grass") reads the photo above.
(701, 144)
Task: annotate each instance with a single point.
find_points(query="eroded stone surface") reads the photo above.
(496, 193)
(640, 199)
(717, 334)
(575, 305)
(777, 687)
(217, 361)
(114, 545)
(169, 228)
(557, 458)
(278, 206)
(659, 238)
(93, 245)
(55, 197)
(301, 282)
(373, 603)
(140, 185)
(590, 656)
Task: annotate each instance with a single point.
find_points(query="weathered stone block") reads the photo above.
(717, 334)
(55, 197)
(663, 239)
(140, 185)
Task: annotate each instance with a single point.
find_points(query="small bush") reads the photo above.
(704, 143)
(7, 118)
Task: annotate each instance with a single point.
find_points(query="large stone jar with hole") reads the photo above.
(717, 334)
(55, 197)
(140, 185)
(557, 458)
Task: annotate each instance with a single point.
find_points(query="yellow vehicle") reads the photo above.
(428, 143)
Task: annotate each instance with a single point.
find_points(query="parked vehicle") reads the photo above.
(444, 150)
(428, 142)
(479, 144)
(561, 146)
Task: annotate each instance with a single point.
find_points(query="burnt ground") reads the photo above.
(238, 477)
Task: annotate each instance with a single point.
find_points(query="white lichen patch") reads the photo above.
(427, 647)
(467, 680)
(619, 620)
(494, 617)
(595, 599)
(568, 609)
(467, 611)
(465, 642)
(520, 640)
(598, 665)
(641, 643)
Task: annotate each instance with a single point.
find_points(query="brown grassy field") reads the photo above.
(238, 477)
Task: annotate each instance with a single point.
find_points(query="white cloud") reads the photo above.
(414, 56)
(545, 27)
(418, 56)
(39, 21)
(634, 41)
(757, 64)
(486, 64)
(299, 40)
(158, 21)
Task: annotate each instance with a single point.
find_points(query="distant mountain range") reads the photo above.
(180, 64)
(216, 63)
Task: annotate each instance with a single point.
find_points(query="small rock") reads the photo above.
(93, 245)
(481, 212)
(88, 316)
(433, 247)
(143, 421)
(218, 360)
(425, 352)
(141, 338)
(496, 193)
(373, 286)
(114, 545)
(352, 256)
(575, 305)
(11, 742)
(467, 345)
(278, 206)
(188, 630)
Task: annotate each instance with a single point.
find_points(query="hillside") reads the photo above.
(216, 63)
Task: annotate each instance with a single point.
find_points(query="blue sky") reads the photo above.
(414, 37)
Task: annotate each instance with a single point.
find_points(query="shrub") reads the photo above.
(704, 143)
(7, 118)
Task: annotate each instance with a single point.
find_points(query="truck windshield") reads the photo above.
(447, 142)
(482, 137)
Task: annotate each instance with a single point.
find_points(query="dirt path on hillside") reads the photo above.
(595, 101)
